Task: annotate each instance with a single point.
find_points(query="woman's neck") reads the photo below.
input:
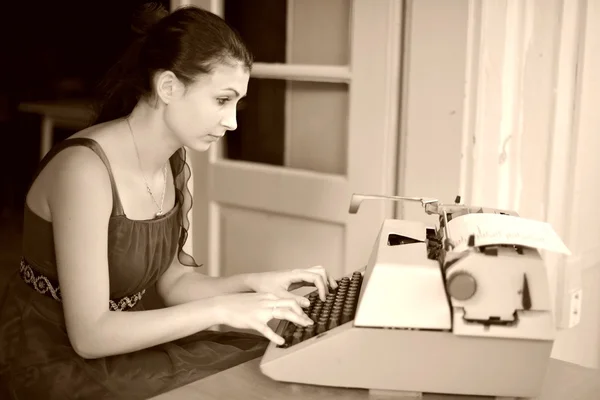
(154, 141)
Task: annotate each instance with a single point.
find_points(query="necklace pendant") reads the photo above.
(158, 214)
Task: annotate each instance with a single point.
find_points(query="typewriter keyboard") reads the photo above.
(337, 309)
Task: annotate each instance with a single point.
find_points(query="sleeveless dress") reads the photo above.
(37, 360)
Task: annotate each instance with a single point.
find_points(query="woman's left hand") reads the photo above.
(280, 283)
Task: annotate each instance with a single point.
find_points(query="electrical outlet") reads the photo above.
(575, 308)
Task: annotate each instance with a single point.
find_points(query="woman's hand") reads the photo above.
(280, 282)
(255, 310)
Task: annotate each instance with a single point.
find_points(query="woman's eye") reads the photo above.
(222, 101)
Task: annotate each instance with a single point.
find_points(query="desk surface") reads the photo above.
(564, 381)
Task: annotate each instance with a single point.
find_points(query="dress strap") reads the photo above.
(96, 148)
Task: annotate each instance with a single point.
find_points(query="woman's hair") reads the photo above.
(188, 42)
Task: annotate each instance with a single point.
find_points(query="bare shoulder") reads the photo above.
(76, 172)
(73, 166)
(98, 132)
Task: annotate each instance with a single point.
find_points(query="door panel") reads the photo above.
(264, 241)
(317, 126)
(295, 124)
(318, 35)
(293, 31)
(260, 135)
(294, 192)
(262, 24)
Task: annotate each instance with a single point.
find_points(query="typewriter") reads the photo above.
(435, 310)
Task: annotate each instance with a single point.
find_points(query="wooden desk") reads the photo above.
(564, 381)
(68, 114)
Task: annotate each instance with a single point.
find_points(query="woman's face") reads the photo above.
(206, 110)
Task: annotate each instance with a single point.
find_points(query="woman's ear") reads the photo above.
(168, 87)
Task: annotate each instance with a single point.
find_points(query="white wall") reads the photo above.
(497, 107)
(583, 192)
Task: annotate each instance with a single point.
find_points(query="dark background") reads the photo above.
(60, 49)
(49, 50)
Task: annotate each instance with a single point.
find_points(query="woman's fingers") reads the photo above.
(314, 278)
(269, 334)
(326, 278)
(301, 300)
(332, 282)
(282, 313)
(284, 306)
(290, 314)
(291, 304)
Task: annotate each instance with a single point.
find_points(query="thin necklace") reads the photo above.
(162, 200)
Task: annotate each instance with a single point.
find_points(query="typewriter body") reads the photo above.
(427, 316)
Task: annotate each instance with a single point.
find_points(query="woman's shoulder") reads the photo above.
(96, 144)
(73, 158)
(85, 154)
(69, 169)
(97, 132)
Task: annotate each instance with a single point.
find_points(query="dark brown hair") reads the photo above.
(188, 42)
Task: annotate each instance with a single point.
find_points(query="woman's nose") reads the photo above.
(230, 121)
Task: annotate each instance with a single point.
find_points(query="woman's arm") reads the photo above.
(181, 284)
(80, 201)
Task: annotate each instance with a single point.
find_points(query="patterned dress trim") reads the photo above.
(48, 287)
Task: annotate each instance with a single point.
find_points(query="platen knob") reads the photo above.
(462, 285)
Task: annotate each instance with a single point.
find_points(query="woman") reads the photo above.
(106, 219)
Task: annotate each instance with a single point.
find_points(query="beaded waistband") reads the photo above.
(49, 287)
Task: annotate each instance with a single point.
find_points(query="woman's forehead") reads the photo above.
(225, 77)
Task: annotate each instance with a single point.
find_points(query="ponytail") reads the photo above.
(126, 82)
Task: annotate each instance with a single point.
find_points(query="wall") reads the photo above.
(497, 107)
(583, 191)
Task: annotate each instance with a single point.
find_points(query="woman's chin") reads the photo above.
(200, 145)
